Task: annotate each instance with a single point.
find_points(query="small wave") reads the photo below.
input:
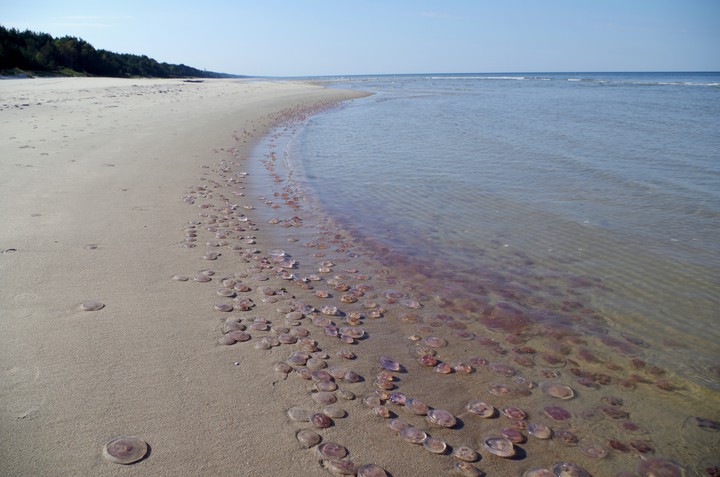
(478, 77)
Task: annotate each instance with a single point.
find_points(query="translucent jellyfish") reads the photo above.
(125, 450)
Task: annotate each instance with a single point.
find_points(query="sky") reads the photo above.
(344, 37)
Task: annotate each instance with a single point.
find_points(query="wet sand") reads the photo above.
(115, 187)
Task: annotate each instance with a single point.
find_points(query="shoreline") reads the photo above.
(120, 186)
(624, 374)
(92, 172)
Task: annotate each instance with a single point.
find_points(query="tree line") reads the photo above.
(42, 53)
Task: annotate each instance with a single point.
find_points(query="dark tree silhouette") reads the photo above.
(41, 53)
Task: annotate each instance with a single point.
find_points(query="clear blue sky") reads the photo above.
(328, 37)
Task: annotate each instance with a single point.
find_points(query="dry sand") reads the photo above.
(92, 173)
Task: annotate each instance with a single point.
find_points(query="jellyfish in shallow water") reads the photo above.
(557, 413)
(659, 467)
(502, 369)
(557, 390)
(513, 412)
(539, 430)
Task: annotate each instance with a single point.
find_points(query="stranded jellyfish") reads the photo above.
(308, 438)
(352, 331)
(330, 450)
(227, 340)
(398, 399)
(397, 425)
(282, 367)
(372, 401)
(325, 385)
(341, 467)
(352, 377)
(334, 411)
(125, 450)
(239, 335)
(436, 446)
(413, 434)
(539, 472)
(499, 446)
(480, 408)
(389, 364)
(466, 469)
(416, 406)
(329, 310)
(428, 360)
(346, 395)
(337, 372)
(513, 435)
(371, 470)
(462, 368)
(465, 453)
(443, 368)
(567, 469)
(92, 305)
(298, 414)
(321, 420)
(441, 418)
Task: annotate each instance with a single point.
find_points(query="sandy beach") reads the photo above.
(92, 174)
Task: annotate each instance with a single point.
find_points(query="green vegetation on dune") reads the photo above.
(41, 53)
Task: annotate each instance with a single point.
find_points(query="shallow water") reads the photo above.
(613, 178)
(534, 266)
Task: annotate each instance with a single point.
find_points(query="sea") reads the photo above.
(576, 213)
